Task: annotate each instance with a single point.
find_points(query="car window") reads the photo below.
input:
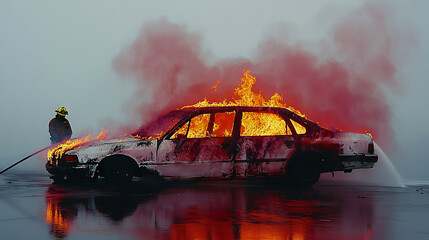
(181, 133)
(263, 124)
(298, 127)
(197, 128)
(223, 124)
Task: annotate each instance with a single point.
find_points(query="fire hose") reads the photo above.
(27, 157)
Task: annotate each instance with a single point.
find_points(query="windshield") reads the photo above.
(157, 128)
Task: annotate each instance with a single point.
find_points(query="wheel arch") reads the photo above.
(117, 157)
(301, 161)
(295, 156)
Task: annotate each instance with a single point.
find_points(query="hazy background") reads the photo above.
(60, 54)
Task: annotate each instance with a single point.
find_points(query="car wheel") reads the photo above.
(304, 169)
(118, 172)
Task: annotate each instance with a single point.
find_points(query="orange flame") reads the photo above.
(215, 86)
(59, 150)
(253, 124)
(247, 97)
(157, 135)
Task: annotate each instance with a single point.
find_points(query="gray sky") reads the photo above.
(59, 53)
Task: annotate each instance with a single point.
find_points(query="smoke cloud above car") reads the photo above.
(340, 82)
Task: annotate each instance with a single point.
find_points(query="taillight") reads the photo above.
(71, 158)
(371, 148)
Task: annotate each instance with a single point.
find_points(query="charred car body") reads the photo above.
(221, 143)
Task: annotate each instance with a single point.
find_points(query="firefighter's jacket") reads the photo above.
(60, 129)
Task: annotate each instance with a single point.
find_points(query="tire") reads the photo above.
(304, 169)
(118, 172)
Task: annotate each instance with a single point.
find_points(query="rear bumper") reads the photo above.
(357, 161)
(359, 157)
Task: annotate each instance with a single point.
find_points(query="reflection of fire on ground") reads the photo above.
(216, 213)
(59, 217)
(240, 213)
(266, 215)
(293, 219)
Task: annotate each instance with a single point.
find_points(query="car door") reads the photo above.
(201, 147)
(265, 142)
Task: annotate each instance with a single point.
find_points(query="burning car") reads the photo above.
(220, 143)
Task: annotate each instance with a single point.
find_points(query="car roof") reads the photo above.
(242, 109)
(232, 108)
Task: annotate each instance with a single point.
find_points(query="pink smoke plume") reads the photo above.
(342, 89)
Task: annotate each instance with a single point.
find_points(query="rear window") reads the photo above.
(298, 127)
(223, 124)
(263, 124)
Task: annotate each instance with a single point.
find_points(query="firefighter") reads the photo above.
(59, 126)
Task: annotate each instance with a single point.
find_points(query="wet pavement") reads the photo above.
(33, 208)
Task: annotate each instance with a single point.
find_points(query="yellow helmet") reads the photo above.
(62, 111)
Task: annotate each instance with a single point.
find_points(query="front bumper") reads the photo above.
(357, 161)
(65, 170)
